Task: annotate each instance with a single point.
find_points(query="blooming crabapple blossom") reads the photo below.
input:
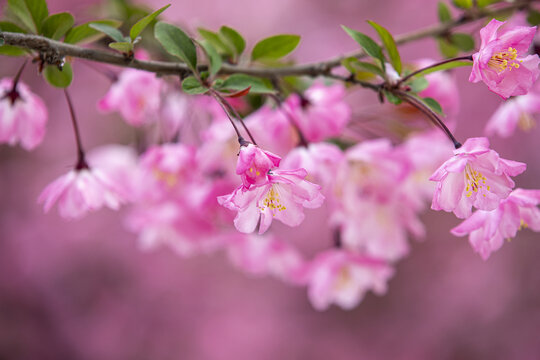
(488, 229)
(502, 61)
(136, 96)
(23, 115)
(475, 176)
(340, 277)
(283, 197)
(254, 163)
(80, 191)
(514, 112)
(321, 112)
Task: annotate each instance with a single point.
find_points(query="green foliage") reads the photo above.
(192, 86)
(447, 66)
(58, 78)
(216, 41)
(354, 66)
(233, 38)
(447, 49)
(275, 47)
(29, 13)
(9, 50)
(144, 22)
(57, 25)
(11, 27)
(390, 45)
(463, 4)
(213, 57)
(238, 82)
(418, 84)
(444, 12)
(463, 42)
(370, 47)
(392, 98)
(84, 33)
(433, 105)
(176, 43)
(110, 31)
(122, 46)
(533, 17)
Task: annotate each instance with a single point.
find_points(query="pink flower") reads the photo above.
(514, 112)
(343, 278)
(81, 191)
(23, 115)
(283, 197)
(174, 113)
(136, 95)
(254, 163)
(273, 130)
(488, 229)
(321, 112)
(501, 61)
(475, 176)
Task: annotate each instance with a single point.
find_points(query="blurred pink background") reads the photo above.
(83, 290)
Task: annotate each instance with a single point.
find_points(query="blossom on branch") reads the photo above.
(502, 61)
(254, 163)
(475, 176)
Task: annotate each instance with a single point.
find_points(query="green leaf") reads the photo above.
(354, 65)
(274, 47)
(11, 27)
(462, 4)
(239, 82)
(213, 57)
(390, 45)
(418, 84)
(484, 3)
(110, 31)
(84, 33)
(30, 13)
(233, 37)
(392, 98)
(216, 41)
(447, 66)
(447, 49)
(58, 78)
(444, 12)
(122, 46)
(533, 17)
(144, 22)
(9, 50)
(57, 25)
(463, 42)
(176, 43)
(192, 86)
(433, 105)
(370, 47)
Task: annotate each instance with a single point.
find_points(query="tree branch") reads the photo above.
(45, 45)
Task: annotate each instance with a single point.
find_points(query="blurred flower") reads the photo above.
(488, 229)
(501, 62)
(475, 176)
(136, 95)
(343, 278)
(442, 87)
(321, 112)
(254, 163)
(23, 115)
(514, 112)
(282, 197)
(174, 113)
(81, 191)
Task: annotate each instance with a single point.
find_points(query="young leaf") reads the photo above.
(238, 82)
(110, 31)
(444, 12)
(11, 27)
(213, 57)
(447, 49)
(370, 47)
(9, 50)
(462, 4)
(176, 43)
(57, 25)
(216, 41)
(447, 66)
(58, 78)
(84, 33)
(389, 44)
(122, 46)
(464, 42)
(392, 98)
(533, 17)
(30, 13)
(232, 37)
(274, 47)
(144, 22)
(192, 86)
(418, 84)
(354, 65)
(433, 105)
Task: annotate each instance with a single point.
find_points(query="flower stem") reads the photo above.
(81, 160)
(414, 73)
(13, 94)
(302, 139)
(230, 110)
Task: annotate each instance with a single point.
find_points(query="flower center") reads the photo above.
(475, 181)
(169, 178)
(504, 59)
(343, 278)
(526, 121)
(272, 201)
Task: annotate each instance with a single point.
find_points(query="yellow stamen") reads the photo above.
(272, 201)
(503, 60)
